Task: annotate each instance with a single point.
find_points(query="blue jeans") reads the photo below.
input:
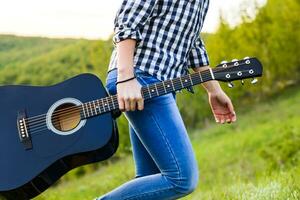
(166, 167)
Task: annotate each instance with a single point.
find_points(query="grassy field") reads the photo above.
(256, 158)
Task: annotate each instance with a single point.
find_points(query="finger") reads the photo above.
(121, 104)
(132, 104)
(222, 119)
(228, 118)
(127, 105)
(217, 118)
(140, 104)
(233, 117)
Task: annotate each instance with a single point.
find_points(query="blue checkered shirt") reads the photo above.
(167, 34)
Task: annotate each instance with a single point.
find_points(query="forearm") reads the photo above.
(125, 55)
(210, 86)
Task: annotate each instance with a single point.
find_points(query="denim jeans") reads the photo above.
(166, 167)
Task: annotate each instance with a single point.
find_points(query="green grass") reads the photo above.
(256, 158)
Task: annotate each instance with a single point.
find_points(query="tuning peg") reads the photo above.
(230, 85)
(242, 82)
(254, 80)
(246, 58)
(235, 60)
(224, 64)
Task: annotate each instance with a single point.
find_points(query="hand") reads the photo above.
(222, 107)
(129, 95)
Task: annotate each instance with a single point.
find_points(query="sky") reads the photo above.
(92, 19)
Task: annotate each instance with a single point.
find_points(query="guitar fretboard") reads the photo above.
(107, 104)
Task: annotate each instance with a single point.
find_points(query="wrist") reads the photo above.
(124, 73)
(125, 80)
(212, 87)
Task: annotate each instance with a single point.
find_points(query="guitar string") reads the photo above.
(153, 84)
(100, 111)
(67, 110)
(70, 119)
(204, 72)
(159, 88)
(75, 111)
(41, 115)
(56, 118)
(74, 107)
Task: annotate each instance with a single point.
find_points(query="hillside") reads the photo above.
(256, 158)
(15, 50)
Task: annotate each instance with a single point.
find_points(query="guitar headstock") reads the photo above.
(238, 70)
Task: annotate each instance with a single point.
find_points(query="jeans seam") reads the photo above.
(146, 193)
(166, 141)
(141, 78)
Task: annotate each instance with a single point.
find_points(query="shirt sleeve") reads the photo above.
(198, 56)
(132, 15)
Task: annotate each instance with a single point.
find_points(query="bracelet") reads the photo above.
(129, 79)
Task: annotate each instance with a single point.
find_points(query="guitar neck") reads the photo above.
(107, 104)
(176, 84)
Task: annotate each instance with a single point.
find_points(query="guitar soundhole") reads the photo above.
(66, 117)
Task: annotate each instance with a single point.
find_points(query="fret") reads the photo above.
(82, 108)
(181, 82)
(87, 110)
(107, 104)
(195, 78)
(98, 106)
(95, 107)
(168, 84)
(89, 103)
(212, 74)
(177, 84)
(186, 82)
(149, 91)
(172, 85)
(110, 102)
(163, 83)
(156, 89)
(191, 79)
(152, 90)
(113, 103)
(103, 105)
(200, 77)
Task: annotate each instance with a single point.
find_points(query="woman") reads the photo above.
(156, 40)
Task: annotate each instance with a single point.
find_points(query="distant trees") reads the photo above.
(273, 37)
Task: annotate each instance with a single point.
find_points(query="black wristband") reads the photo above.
(126, 80)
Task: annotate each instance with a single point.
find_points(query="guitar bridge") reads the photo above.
(23, 130)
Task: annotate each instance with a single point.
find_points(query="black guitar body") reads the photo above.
(29, 167)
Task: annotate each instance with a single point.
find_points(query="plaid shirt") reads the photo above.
(167, 34)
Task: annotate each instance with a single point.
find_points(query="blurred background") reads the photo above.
(45, 42)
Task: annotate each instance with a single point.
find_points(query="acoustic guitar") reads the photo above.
(47, 131)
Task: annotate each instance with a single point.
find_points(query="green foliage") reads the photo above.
(230, 159)
(15, 50)
(273, 37)
(40, 61)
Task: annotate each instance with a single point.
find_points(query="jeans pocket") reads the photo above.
(146, 79)
(142, 77)
(111, 80)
